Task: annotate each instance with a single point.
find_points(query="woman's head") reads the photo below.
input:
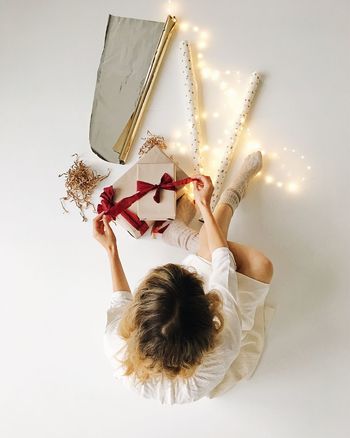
(170, 324)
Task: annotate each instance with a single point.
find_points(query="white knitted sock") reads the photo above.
(234, 194)
(178, 232)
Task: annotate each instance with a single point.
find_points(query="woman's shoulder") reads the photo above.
(199, 265)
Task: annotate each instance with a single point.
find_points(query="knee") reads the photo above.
(261, 267)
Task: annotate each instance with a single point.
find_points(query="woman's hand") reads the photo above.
(203, 190)
(103, 232)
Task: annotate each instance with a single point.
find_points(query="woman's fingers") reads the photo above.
(207, 180)
(98, 217)
(96, 220)
(106, 221)
(97, 224)
(204, 179)
(107, 227)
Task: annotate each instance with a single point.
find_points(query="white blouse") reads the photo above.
(215, 364)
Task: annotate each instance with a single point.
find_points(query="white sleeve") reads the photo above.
(223, 276)
(112, 341)
(223, 279)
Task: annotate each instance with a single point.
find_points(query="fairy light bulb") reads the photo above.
(191, 195)
(206, 72)
(269, 179)
(184, 26)
(215, 75)
(292, 187)
(170, 7)
(195, 28)
(202, 45)
(253, 146)
(231, 92)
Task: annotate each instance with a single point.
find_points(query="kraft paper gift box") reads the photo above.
(147, 207)
(126, 185)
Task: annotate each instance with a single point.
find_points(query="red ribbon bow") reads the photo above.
(166, 183)
(108, 206)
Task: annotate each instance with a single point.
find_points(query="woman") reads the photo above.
(194, 329)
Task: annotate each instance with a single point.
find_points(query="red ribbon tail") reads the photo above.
(156, 196)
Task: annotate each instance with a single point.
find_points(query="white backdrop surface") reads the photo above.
(55, 285)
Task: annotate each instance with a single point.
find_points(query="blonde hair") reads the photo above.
(170, 324)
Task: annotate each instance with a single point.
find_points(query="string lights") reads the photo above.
(287, 167)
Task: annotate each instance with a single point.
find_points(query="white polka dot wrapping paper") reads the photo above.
(192, 106)
(254, 81)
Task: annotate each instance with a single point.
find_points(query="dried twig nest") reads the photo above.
(80, 182)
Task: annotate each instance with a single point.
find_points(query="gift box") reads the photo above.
(156, 205)
(126, 186)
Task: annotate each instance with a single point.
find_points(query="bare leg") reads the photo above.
(250, 261)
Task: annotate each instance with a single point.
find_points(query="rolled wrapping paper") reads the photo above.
(191, 92)
(233, 141)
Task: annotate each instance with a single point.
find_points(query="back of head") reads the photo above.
(170, 324)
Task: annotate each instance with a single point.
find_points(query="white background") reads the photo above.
(55, 285)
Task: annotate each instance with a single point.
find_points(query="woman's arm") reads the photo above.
(103, 233)
(119, 281)
(203, 191)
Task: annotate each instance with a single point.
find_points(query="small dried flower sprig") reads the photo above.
(150, 141)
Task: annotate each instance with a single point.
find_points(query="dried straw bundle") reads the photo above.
(80, 182)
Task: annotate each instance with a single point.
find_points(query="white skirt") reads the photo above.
(256, 317)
